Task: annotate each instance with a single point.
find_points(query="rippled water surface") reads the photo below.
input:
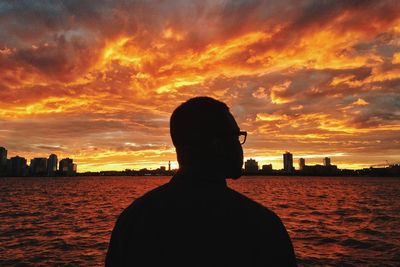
(68, 221)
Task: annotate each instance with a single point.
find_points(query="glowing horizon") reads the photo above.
(98, 82)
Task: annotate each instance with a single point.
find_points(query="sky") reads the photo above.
(97, 81)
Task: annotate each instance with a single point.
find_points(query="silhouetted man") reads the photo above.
(195, 219)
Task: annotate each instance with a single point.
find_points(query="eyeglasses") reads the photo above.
(242, 137)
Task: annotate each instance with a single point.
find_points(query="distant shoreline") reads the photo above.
(242, 177)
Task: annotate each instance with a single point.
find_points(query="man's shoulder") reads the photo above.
(146, 201)
(159, 194)
(252, 207)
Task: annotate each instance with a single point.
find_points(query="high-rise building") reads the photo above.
(17, 166)
(288, 162)
(67, 166)
(251, 166)
(302, 164)
(3, 160)
(3, 155)
(38, 166)
(327, 161)
(74, 168)
(52, 165)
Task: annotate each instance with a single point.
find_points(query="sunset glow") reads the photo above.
(98, 81)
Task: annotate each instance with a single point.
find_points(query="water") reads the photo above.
(68, 221)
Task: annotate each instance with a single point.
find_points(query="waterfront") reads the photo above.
(332, 221)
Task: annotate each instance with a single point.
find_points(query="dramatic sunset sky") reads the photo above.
(98, 80)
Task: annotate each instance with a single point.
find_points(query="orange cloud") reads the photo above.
(99, 82)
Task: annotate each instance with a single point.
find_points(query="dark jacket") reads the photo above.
(196, 222)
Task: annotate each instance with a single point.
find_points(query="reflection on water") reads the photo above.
(68, 221)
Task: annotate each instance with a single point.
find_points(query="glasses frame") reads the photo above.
(242, 133)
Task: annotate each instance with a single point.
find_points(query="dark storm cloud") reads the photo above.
(75, 31)
(59, 39)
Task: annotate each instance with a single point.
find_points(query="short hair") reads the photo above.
(197, 121)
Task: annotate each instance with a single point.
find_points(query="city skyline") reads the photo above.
(17, 166)
(38, 166)
(250, 165)
(276, 161)
(98, 82)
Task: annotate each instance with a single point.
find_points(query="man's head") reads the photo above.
(206, 137)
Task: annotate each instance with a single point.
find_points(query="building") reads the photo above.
(38, 166)
(327, 161)
(74, 168)
(67, 167)
(52, 162)
(251, 166)
(288, 163)
(302, 164)
(3, 156)
(3, 160)
(17, 166)
(267, 169)
(320, 170)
